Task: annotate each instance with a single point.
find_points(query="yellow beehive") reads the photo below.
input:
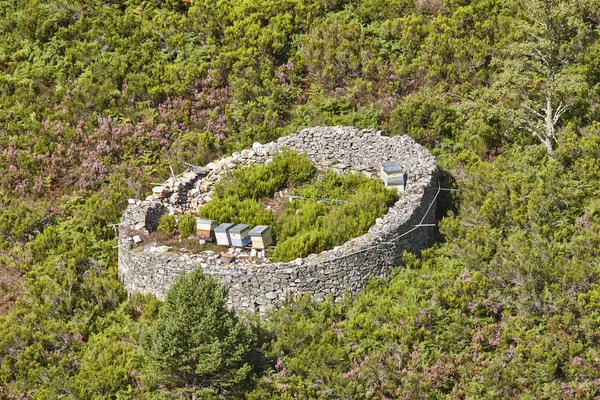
(261, 237)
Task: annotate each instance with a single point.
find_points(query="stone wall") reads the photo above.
(258, 286)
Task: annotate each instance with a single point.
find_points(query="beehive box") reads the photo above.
(261, 237)
(239, 235)
(392, 174)
(205, 228)
(222, 234)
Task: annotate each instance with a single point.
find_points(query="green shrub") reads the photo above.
(197, 343)
(263, 180)
(300, 215)
(187, 226)
(334, 208)
(236, 211)
(333, 186)
(301, 245)
(237, 197)
(354, 217)
(251, 183)
(167, 224)
(310, 226)
(297, 167)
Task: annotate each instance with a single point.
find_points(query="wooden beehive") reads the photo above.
(392, 174)
(239, 235)
(222, 234)
(261, 237)
(205, 228)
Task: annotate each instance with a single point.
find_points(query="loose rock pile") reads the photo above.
(194, 188)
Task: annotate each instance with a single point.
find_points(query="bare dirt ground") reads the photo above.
(278, 201)
(176, 244)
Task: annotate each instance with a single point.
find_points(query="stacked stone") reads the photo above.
(195, 187)
(175, 193)
(142, 216)
(256, 285)
(338, 147)
(218, 168)
(345, 148)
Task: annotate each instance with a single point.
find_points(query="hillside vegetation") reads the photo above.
(98, 98)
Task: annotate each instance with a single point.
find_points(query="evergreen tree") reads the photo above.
(197, 346)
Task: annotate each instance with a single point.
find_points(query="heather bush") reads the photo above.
(286, 168)
(309, 226)
(167, 224)
(19, 221)
(187, 226)
(233, 210)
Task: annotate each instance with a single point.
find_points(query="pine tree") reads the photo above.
(197, 346)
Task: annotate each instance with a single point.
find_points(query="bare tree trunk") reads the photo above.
(550, 129)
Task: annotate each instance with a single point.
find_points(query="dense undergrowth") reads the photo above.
(98, 98)
(329, 209)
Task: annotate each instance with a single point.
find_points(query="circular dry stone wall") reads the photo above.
(255, 283)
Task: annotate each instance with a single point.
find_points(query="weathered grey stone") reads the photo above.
(257, 287)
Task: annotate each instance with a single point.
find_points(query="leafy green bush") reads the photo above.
(108, 361)
(310, 226)
(333, 209)
(237, 196)
(300, 215)
(251, 183)
(302, 244)
(167, 224)
(297, 167)
(354, 217)
(333, 186)
(236, 211)
(187, 226)
(18, 221)
(287, 168)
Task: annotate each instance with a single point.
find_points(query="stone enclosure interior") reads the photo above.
(254, 283)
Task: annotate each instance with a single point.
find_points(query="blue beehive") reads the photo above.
(239, 235)
(392, 174)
